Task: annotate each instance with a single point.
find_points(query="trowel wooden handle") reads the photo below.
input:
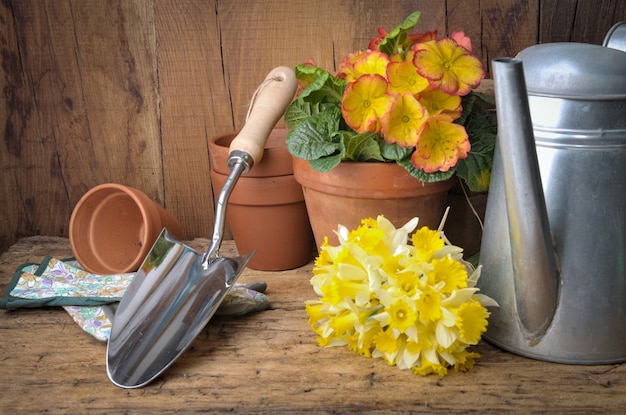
(274, 95)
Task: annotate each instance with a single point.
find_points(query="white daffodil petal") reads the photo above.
(446, 336)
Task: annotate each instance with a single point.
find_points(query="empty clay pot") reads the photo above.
(276, 158)
(266, 210)
(113, 227)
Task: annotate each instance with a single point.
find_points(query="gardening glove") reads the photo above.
(91, 299)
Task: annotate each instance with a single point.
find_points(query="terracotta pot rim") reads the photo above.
(86, 246)
(360, 175)
(261, 191)
(276, 159)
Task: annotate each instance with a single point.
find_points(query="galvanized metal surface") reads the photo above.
(577, 97)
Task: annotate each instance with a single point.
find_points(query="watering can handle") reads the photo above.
(268, 105)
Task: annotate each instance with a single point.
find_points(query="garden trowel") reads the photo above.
(177, 289)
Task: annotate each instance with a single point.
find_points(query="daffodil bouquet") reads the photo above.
(408, 99)
(415, 304)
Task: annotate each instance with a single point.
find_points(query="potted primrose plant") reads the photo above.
(391, 130)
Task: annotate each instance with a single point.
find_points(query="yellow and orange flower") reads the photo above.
(403, 122)
(448, 66)
(414, 102)
(401, 100)
(438, 102)
(440, 145)
(365, 102)
(367, 62)
(403, 77)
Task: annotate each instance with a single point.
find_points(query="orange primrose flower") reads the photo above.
(365, 102)
(373, 45)
(448, 66)
(420, 38)
(462, 40)
(367, 62)
(440, 145)
(403, 77)
(404, 122)
(438, 102)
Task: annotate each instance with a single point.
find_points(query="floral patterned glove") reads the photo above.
(91, 299)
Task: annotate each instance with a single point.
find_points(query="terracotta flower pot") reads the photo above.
(266, 210)
(353, 191)
(276, 159)
(113, 227)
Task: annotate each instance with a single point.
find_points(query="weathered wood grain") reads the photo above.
(85, 108)
(195, 104)
(578, 21)
(129, 91)
(33, 197)
(508, 27)
(269, 363)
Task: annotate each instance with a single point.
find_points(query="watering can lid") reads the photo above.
(569, 69)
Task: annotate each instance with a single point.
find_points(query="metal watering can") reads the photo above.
(554, 244)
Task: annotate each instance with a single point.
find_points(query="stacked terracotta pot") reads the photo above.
(266, 210)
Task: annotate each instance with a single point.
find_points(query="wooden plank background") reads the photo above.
(129, 91)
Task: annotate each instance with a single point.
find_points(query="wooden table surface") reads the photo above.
(269, 362)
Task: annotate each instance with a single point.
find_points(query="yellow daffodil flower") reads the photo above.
(472, 322)
(427, 242)
(451, 272)
(401, 315)
(414, 305)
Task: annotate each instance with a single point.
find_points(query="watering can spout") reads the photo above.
(535, 275)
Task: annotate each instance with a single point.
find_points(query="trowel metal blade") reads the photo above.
(171, 299)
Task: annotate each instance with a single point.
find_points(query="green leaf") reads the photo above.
(299, 111)
(361, 147)
(467, 102)
(475, 103)
(327, 163)
(481, 128)
(307, 142)
(324, 87)
(393, 151)
(420, 174)
(327, 121)
(475, 170)
(392, 42)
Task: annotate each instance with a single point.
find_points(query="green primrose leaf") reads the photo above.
(316, 137)
(391, 43)
(327, 163)
(420, 174)
(299, 111)
(481, 128)
(475, 170)
(307, 143)
(324, 86)
(393, 151)
(361, 147)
